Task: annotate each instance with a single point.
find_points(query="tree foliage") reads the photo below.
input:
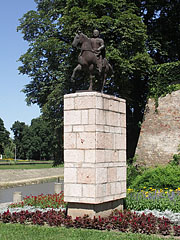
(162, 18)
(4, 137)
(35, 141)
(50, 59)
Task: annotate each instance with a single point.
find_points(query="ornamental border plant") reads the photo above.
(125, 221)
(42, 201)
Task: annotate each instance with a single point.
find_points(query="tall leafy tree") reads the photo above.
(18, 129)
(4, 137)
(50, 59)
(35, 141)
(39, 140)
(162, 18)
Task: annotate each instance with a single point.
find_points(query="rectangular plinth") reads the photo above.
(94, 148)
(94, 210)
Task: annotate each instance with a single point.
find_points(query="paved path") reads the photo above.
(19, 177)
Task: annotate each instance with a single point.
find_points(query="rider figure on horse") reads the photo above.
(99, 49)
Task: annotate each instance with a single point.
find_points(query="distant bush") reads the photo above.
(133, 171)
(160, 177)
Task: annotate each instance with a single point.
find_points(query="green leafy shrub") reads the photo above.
(164, 79)
(176, 160)
(160, 177)
(132, 171)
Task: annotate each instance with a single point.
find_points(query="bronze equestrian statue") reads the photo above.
(91, 58)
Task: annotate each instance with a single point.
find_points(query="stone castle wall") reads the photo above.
(160, 132)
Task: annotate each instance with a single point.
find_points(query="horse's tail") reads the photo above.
(111, 69)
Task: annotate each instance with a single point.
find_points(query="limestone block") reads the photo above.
(122, 155)
(86, 140)
(112, 174)
(78, 128)
(90, 128)
(86, 175)
(106, 104)
(85, 117)
(100, 156)
(121, 173)
(108, 189)
(113, 188)
(122, 107)
(123, 121)
(72, 117)
(89, 190)
(99, 103)
(118, 189)
(92, 116)
(100, 128)
(111, 118)
(73, 190)
(123, 186)
(113, 105)
(100, 117)
(69, 103)
(104, 140)
(68, 128)
(90, 102)
(74, 155)
(120, 142)
(101, 190)
(70, 175)
(101, 175)
(115, 156)
(70, 141)
(90, 156)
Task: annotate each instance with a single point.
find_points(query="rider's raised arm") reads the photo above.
(102, 46)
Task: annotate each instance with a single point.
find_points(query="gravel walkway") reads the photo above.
(20, 177)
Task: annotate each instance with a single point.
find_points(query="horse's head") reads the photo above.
(77, 40)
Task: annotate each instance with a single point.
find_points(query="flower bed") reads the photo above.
(126, 221)
(149, 198)
(42, 201)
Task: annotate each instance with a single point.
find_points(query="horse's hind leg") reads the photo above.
(76, 69)
(104, 81)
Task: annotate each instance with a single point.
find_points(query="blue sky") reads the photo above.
(12, 101)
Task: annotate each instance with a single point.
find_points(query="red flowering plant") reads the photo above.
(122, 221)
(42, 201)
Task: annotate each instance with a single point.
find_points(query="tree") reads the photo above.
(50, 59)
(35, 141)
(18, 129)
(39, 140)
(162, 18)
(4, 137)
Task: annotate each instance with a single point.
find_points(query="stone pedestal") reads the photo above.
(94, 153)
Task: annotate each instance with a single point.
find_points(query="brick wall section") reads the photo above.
(160, 132)
(94, 148)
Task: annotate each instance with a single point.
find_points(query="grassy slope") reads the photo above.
(24, 232)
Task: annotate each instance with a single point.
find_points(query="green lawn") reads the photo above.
(25, 232)
(28, 166)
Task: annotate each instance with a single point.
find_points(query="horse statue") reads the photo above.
(88, 61)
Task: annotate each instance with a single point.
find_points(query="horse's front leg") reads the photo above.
(91, 82)
(76, 69)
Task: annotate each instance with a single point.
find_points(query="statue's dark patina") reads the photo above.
(91, 58)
